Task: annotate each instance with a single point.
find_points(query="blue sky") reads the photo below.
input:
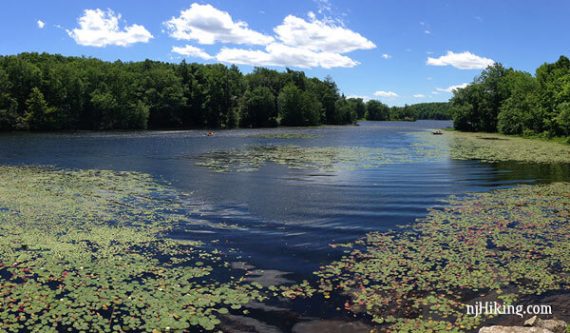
(397, 51)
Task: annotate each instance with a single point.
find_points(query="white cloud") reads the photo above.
(463, 60)
(297, 42)
(277, 54)
(427, 32)
(320, 36)
(304, 44)
(41, 24)
(419, 96)
(450, 89)
(386, 56)
(388, 94)
(101, 28)
(208, 25)
(191, 51)
(323, 5)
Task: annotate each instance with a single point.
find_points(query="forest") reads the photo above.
(54, 92)
(515, 102)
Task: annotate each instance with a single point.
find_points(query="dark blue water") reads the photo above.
(287, 216)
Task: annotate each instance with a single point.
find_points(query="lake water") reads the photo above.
(287, 217)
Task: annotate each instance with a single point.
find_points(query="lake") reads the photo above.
(287, 215)
(274, 200)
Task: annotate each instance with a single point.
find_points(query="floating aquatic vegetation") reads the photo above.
(426, 148)
(491, 147)
(322, 158)
(284, 136)
(503, 245)
(313, 158)
(84, 250)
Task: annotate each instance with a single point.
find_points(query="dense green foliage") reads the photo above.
(376, 110)
(53, 92)
(515, 102)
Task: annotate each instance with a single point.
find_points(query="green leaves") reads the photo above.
(481, 245)
(85, 250)
(490, 147)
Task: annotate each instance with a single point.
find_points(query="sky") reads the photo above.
(397, 51)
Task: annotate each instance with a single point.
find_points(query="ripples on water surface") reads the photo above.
(286, 216)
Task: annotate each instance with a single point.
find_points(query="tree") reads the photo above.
(521, 111)
(258, 108)
(91, 94)
(476, 107)
(358, 107)
(162, 91)
(515, 102)
(563, 118)
(291, 105)
(9, 117)
(554, 90)
(437, 110)
(466, 106)
(298, 108)
(38, 114)
(345, 113)
(495, 91)
(376, 110)
(311, 109)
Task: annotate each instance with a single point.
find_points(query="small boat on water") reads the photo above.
(211, 133)
(437, 132)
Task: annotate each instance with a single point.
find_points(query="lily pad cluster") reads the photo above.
(491, 147)
(500, 246)
(311, 158)
(426, 148)
(86, 251)
(284, 136)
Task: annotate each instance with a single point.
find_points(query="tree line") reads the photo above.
(54, 92)
(516, 102)
(376, 110)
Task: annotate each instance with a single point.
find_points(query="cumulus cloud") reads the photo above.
(450, 89)
(388, 94)
(208, 25)
(386, 56)
(41, 24)
(302, 43)
(297, 42)
(463, 60)
(419, 96)
(277, 54)
(318, 35)
(100, 28)
(192, 51)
